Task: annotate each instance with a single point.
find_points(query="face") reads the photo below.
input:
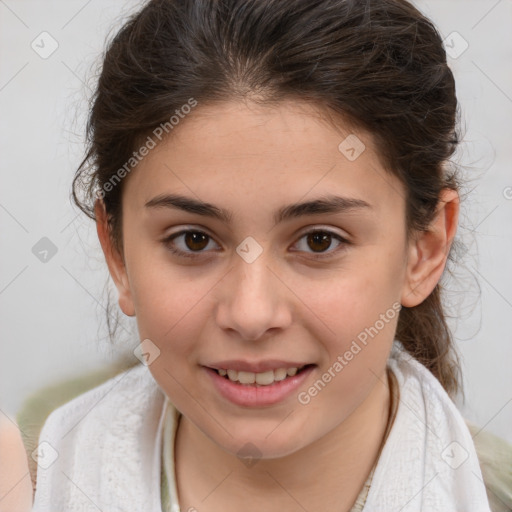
(312, 286)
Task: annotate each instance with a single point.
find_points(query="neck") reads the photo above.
(325, 475)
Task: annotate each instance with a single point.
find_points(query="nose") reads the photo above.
(253, 300)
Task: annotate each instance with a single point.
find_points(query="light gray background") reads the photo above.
(52, 322)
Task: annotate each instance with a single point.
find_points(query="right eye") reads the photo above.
(192, 244)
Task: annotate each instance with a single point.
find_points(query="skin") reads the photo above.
(252, 160)
(15, 483)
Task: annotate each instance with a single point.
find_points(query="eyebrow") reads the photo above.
(322, 205)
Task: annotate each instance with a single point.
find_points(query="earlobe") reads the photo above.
(115, 263)
(428, 252)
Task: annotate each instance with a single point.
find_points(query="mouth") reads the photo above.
(260, 379)
(262, 389)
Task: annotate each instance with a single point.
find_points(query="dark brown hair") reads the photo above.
(378, 64)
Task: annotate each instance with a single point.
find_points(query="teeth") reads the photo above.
(280, 374)
(262, 379)
(245, 377)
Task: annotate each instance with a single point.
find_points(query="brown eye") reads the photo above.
(195, 240)
(192, 243)
(319, 241)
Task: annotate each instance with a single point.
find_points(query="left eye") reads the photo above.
(196, 241)
(322, 239)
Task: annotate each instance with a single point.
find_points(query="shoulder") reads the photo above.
(107, 439)
(494, 454)
(98, 404)
(424, 388)
(15, 487)
(66, 399)
(495, 457)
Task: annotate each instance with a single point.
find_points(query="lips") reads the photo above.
(255, 366)
(258, 395)
(261, 379)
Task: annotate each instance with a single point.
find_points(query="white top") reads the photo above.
(102, 450)
(168, 487)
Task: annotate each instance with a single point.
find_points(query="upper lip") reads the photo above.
(255, 366)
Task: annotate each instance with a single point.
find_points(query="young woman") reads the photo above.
(271, 189)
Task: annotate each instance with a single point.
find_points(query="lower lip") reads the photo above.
(250, 395)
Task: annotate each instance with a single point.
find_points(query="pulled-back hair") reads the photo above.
(380, 65)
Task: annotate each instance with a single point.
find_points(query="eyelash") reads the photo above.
(168, 243)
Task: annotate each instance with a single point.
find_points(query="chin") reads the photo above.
(251, 451)
(262, 443)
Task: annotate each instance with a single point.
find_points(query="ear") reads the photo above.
(427, 254)
(115, 261)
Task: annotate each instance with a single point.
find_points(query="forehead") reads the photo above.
(232, 150)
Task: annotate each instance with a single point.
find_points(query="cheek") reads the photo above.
(166, 305)
(359, 308)
(165, 300)
(362, 323)
(354, 298)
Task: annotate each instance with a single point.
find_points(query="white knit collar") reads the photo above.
(428, 462)
(109, 448)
